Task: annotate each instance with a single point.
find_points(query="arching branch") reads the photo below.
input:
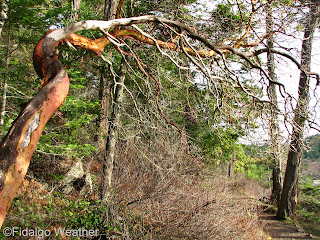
(19, 144)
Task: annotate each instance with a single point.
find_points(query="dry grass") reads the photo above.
(160, 193)
(178, 199)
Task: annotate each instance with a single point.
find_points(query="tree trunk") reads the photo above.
(289, 196)
(18, 145)
(75, 6)
(110, 9)
(231, 165)
(3, 14)
(112, 137)
(109, 128)
(5, 85)
(274, 120)
(104, 96)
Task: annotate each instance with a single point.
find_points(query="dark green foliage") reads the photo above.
(58, 211)
(219, 145)
(24, 14)
(308, 212)
(25, 26)
(168, 9)
(313, 151)
(71, 132)
(227, 18)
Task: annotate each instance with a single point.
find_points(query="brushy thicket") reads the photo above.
(160, 192)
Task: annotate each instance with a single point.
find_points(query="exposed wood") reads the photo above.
(99, 44)
(17, 147)
(61, 34)
(19, 144)
(45, 67)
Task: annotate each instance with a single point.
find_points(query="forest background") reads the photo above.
(178, 158)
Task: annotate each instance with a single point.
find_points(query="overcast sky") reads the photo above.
(287, 72)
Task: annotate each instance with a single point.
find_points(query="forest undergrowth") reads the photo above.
(171, 195)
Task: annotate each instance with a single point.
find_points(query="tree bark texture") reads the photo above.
(110, 9)
(274, 120)
(104, 96)
(18, 145)
(3, 14)
(75, 6)
(289, 196)
(4, 84)
(108, 163)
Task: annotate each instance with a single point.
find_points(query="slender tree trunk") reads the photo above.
(4, 85)
(110, 12)
(274, 120)
(289, 196)
(108, 163)
(231, 166)
(110, 9)
(75, 5)
(104, 96)
(3, 14)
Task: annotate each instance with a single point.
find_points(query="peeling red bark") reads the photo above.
(19, 144)
(40, 62)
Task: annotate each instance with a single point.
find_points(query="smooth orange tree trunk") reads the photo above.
(17, 147)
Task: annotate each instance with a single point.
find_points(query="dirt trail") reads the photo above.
(273, 228)
(277, 229)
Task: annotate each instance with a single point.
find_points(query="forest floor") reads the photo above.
(184, 207)
(272, 227)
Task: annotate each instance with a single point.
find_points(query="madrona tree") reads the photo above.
(17, 147)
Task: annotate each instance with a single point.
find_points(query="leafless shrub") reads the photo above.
(177, 198)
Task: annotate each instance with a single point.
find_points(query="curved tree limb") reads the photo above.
(18, 145)
(284, 54)
(98, 45)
